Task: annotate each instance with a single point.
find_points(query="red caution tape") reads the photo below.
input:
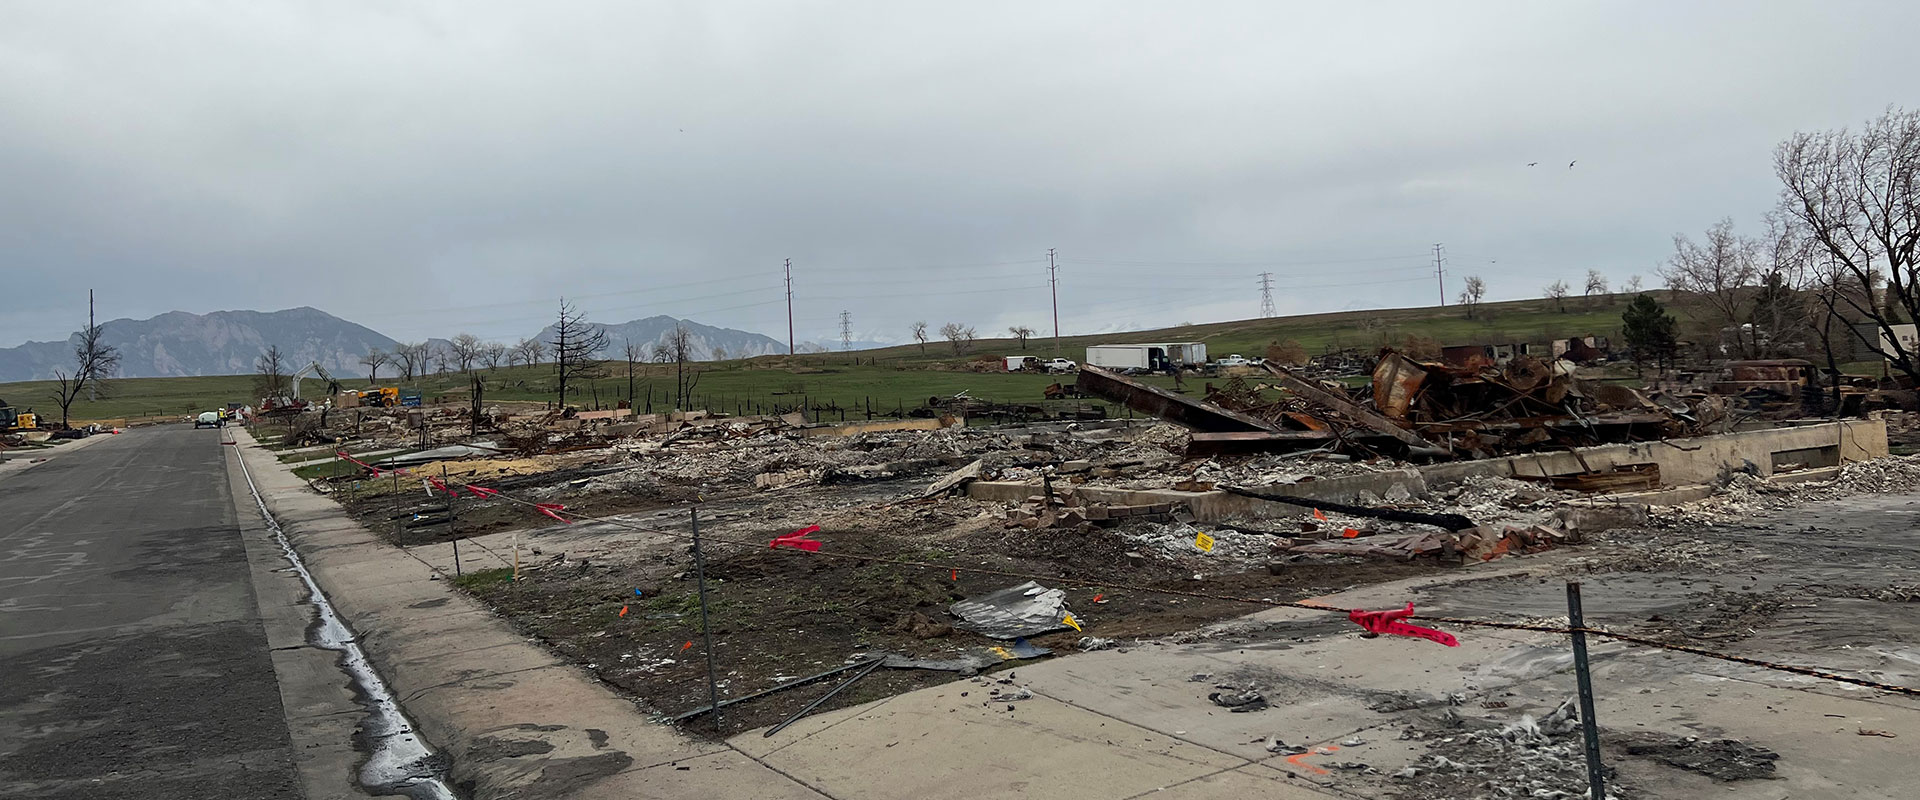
(549, 509)
(798, 539)
(370, 468)
(482, 491)
(1388, 622)
(437, 484)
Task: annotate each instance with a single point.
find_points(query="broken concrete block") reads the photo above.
(1096, 512)
(1582, 521)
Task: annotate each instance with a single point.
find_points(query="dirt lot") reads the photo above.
(784, 614)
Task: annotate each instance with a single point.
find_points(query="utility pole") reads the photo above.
(789, 306)
(1439, 270)
(90, 395)
(1053, 280)
(1266, 294)
(846, 331)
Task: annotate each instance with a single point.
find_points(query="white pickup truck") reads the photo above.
(1059, 365)
(1235, 360)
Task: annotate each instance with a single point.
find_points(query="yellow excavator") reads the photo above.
(13, 419)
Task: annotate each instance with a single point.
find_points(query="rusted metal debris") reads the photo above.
(1419, 410)
(1623, 478)
(1153, 400)
(1338, 402)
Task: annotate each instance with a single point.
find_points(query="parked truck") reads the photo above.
(1152, 357)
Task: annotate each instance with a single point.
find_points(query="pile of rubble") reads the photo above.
(1415, 409)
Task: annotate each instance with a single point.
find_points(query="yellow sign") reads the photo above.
(1204, 542)
(1070, 622)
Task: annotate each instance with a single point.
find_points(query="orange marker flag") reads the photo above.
(623, 611)
(1349, 533)
(1319, 515)
(683, 648)
(956, 574)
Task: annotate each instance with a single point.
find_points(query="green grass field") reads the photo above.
(892, 377)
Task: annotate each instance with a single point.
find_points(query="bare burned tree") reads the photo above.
(411, 359)
(1596, 285)
(1856, 198)
(1021, 334)
(492, 354)
(635, 354)
(373, 361)
(1557, 292)
(271, 371)
(680, 348)
(1632, 286)
(920, 335)
(1742, 286)
(441, 357)
(94, 361)
(531, 351)
(1471, 296)
(464, 350)
(956, 335)
(575, 343)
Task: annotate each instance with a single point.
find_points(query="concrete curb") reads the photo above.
(513, 719)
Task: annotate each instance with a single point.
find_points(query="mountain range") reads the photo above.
(705, 341)
(179, 344)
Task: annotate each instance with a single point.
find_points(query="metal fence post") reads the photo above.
(1596, 781)
(706, 628)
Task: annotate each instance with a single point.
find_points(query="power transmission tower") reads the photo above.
(1053, 281)
(1266, 294)
(1439, 270)
(846, 330)
(789, 306)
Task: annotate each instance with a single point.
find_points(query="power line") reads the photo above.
(1266, 294)
(1439, 270)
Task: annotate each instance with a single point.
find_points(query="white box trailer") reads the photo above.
(1018, 363)
(1152, 356)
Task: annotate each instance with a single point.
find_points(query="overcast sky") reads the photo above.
(427, 168)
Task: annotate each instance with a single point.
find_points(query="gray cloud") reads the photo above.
(430, 168)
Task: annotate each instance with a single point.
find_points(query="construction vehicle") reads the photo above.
(384, 397)
(13, 419)
(333, 386)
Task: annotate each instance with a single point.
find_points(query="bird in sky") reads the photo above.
(1571, 163)
(1533, 163)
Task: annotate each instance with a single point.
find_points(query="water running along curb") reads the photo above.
(398, 762)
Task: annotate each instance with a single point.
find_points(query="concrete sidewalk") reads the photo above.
(1132, 722)
(514, 720)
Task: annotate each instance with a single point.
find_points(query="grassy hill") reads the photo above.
(902, 376)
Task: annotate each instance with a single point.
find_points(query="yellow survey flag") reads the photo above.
(1204, 542)
(1071, 622)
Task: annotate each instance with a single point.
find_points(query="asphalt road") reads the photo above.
(133, 663)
